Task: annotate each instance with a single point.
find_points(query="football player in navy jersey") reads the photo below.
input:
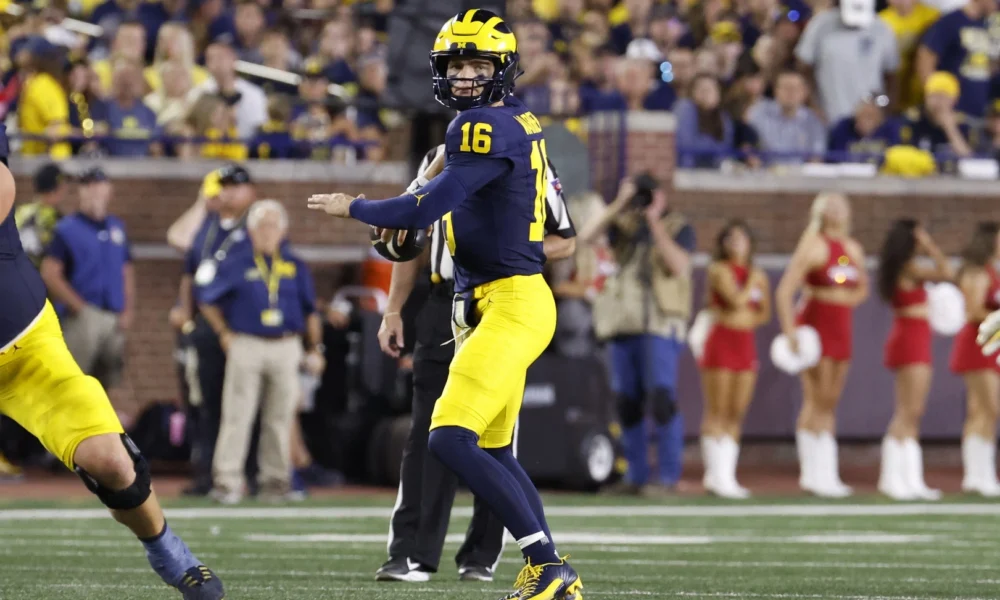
(491, 196)
(44, 390)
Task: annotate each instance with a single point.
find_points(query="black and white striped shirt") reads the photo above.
(557, 222)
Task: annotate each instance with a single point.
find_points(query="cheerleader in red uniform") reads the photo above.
(901, 279)
(739, 301)
(828, 265)
(980, 284)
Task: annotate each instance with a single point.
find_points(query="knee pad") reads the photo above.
(664, 405)
(629, 412)
(131, 497)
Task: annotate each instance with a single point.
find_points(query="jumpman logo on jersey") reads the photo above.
(419, 197)
(11, 350)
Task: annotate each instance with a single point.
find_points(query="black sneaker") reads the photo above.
(475, 573)
(402, 569)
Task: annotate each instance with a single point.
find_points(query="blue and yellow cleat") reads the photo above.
(552, 581)
(200, 583)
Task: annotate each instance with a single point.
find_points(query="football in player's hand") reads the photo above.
(398, 245)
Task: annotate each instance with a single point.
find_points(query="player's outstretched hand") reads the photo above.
(338, 205)
(989, 333)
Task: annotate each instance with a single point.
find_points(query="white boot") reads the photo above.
(971, 468)
(729, 451)
(829, 472)
(913, 471)
(892, 481)
(710, 459)
(806, 446)
(989, 486)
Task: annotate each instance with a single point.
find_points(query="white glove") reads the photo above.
(416, 184)
(989, 333)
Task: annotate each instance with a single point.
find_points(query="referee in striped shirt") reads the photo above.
(427, 488)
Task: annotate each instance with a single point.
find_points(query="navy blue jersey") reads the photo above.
(498, 231)
(22, 292)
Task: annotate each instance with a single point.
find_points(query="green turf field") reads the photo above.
(681, 549)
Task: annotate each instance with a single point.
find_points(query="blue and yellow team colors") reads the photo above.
(496, 238)
(41, 386)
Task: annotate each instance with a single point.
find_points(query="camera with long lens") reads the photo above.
(645, 185)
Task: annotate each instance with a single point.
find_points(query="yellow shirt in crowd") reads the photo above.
(43, 103)
(909, 30)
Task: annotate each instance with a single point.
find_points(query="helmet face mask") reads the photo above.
(472, 35)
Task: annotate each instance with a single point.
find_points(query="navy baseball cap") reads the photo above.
(234, 175)
(92, 175)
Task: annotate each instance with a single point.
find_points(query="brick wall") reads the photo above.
(776, 208)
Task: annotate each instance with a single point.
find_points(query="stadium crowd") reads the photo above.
(909, 86)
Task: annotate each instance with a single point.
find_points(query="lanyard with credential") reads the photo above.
(227, 243)
(271, 277)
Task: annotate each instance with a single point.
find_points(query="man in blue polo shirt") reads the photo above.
(260, 304)
(212, 228)
(87, 269)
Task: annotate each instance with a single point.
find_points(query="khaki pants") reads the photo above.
(253, 362)
(96, 343)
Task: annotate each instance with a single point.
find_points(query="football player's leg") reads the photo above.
(498, 441)
(48, 394)
(476, 394)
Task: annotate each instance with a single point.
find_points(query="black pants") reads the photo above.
(427, 488)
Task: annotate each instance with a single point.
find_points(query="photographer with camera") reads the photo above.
(643, 312)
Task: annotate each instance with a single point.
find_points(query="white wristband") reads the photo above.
(416, 184)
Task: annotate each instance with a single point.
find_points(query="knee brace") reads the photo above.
(664, 405)
(131, 497)
(629, 412)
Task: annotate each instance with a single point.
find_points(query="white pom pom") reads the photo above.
(810, 351)
(946, 308)
(698, 334)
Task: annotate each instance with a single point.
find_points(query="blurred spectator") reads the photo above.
(632, 22)
(251, 104)
(638, 89)
(867, 135)
(174, 45)
(960, 43)
(249, 22)
(171, 100)
(88, 112)
(153, 15)
(274, 139)
(939, 128)
(908, 19)
(847, 54)
(276, 52)
(566, 25)
(745, 138)
(324, 131)
(371, 129)
(991, 141)
(313, 88)
(43, 106)
(109, 16)
(787, 128)
(704, 131)
(598, 77)
(596, 32)
(129, 43)
(532, 48)
(681, 72)
(211, 125)
(665, 27)
(36, 220)
(335, 53)
(727, 42)
(89, 273)
(708, 60)
(208, 21)
(52, 15)
(131, 124)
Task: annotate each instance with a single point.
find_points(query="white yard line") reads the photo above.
(588, 537)
(788, 510)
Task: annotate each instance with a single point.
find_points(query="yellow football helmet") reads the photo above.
(475, 33)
